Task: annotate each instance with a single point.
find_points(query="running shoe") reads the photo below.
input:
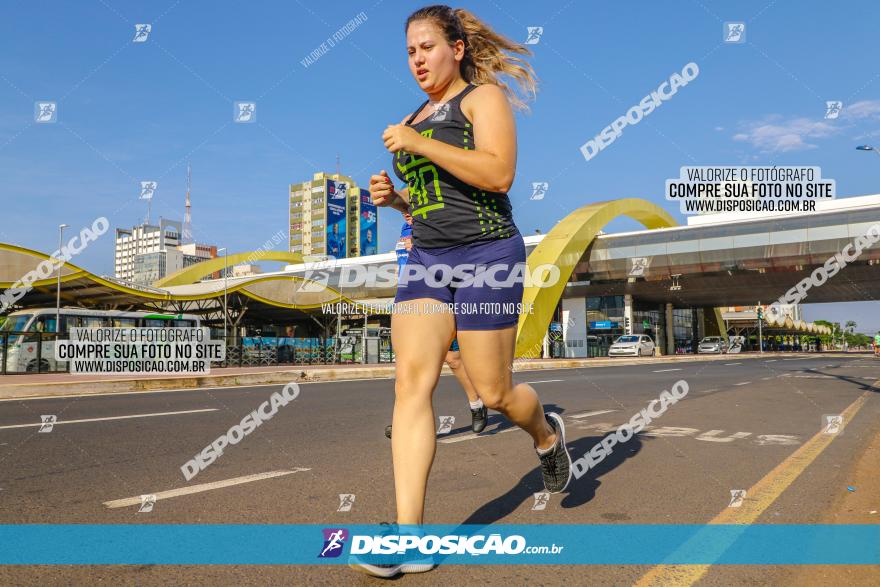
(413, 563)
(388, 431)
(556, 464)
(479, 417)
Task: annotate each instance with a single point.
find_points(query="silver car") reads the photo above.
(632, 345)
(712, 344)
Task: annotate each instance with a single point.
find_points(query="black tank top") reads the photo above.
(447, 211)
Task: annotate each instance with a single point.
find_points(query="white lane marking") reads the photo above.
(129, 501)
(766, 378)
(472, 436)
(743, 383)
(588, 414)
(770, 361)
(665, 370)
(800, 359)
(545, 381)
(709, 390)
(729, 364)
(113, 418)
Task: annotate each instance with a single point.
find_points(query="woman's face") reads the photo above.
(432, 61)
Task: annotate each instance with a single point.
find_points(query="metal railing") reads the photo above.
(34, 352)
(267, 351)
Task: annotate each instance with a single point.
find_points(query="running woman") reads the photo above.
(457, 154)
(479, 412)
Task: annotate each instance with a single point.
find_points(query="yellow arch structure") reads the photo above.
(563, 247)
(15, 261)
(8, 275)
(193, 273)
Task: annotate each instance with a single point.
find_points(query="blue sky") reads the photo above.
(136, 111)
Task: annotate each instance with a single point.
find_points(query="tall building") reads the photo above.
(331, 215)
(142, 239)
(199, 251)
(147, 253)
(245, 270)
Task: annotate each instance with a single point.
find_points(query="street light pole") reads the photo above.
(61, 228)
(225, 288)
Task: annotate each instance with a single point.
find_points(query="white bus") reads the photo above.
(21, 349)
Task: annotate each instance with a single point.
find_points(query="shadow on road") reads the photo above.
(578, 492)
(863, 384)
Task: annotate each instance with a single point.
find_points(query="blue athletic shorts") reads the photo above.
(482, 282)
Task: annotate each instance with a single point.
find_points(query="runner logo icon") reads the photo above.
(334, 542)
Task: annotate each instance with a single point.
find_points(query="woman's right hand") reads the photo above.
(382, 190)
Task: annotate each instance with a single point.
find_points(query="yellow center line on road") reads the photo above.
(759, 497)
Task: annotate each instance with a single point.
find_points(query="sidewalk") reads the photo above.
(61, 384)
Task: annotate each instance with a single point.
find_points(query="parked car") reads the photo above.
(712, 344)
(632, 345)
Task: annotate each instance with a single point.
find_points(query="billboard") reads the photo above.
(368, 235)
(337, 203)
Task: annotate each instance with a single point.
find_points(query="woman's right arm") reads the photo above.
(382, 193)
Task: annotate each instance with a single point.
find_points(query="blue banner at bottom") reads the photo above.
(608, 544)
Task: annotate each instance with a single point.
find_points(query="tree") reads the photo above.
(827, 339)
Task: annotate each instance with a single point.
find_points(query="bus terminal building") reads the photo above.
(673, 283)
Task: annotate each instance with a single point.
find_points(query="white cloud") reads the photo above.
(774, 135)
(862, 110)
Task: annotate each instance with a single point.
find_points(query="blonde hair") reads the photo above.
(486, 53)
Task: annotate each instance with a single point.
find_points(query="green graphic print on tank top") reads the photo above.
(447, 211)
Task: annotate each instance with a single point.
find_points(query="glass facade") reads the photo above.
(604, 323)
(649, 322)
(149, 267)
(687, 329)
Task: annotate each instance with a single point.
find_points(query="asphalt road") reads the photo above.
(742, 419)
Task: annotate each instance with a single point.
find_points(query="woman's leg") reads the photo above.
(487, 356)
(453, 359)
(420, 340)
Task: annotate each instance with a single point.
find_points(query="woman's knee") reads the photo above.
(414, 385)
(494, 398)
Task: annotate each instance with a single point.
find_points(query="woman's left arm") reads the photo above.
(491, 165)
